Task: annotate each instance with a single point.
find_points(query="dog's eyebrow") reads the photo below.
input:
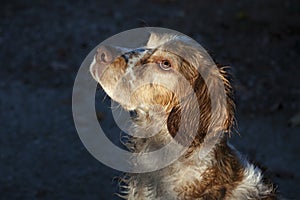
(127, 55)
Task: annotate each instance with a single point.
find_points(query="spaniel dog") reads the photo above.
(167, 86)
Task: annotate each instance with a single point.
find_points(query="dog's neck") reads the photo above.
(189, 170)
(220, 174)
(153, 123)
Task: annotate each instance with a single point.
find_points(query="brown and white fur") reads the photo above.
(223, 173)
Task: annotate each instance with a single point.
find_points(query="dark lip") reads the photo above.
(133, 114)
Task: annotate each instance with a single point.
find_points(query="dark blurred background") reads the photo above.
(44, 42)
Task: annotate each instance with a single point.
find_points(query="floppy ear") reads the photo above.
(189, 120)
(198, 111)
(230, 105)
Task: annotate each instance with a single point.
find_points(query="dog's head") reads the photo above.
(169, 75)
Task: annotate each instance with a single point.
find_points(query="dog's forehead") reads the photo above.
(156, 44)
(155, 40)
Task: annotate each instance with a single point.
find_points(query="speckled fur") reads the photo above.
(223, 173)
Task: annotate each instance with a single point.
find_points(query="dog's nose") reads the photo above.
(104, 55)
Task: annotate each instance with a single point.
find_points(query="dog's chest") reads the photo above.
(168, 183)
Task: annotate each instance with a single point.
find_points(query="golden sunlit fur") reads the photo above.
(181, 79)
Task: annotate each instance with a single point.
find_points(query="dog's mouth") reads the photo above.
(133, 114)
(139, 114)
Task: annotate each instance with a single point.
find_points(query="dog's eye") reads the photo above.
(165, 65)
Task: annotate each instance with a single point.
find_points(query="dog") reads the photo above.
(151, 82)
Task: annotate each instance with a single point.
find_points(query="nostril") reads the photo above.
(104, 55)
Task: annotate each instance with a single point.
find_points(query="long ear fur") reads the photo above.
(211, 79)
(193, 121)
